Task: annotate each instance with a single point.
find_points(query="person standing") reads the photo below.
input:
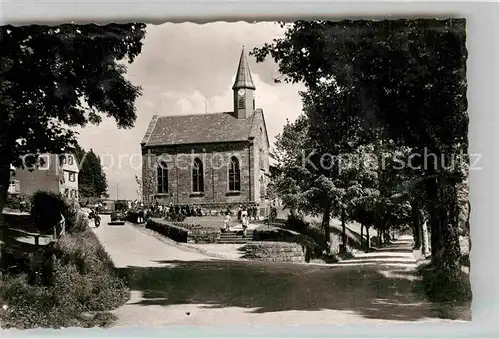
(244, 222)
(227, 221)
(240, 209)
(140, 216)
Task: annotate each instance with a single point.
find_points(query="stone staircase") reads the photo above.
(234, 237)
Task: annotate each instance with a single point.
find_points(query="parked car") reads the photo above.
(117, 218)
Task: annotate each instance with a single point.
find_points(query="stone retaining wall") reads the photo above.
(275, 252)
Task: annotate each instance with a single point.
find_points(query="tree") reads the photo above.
(91, 179)
(405, 76)
(53, 78)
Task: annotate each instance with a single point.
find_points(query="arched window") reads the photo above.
(162, 176)
(234, 175)
(241, 103)
(198, 176)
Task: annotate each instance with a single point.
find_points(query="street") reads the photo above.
(174, 285)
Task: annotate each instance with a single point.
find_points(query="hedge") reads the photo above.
(181, 232)
(176, 233)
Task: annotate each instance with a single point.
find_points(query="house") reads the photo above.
(53, 173)
(211, 159)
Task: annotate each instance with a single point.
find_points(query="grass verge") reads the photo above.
(83, 288)
(451, 297)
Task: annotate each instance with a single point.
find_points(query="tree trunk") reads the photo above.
(416, 224)
(325, 224)
(344, 235)
(434, 219)
(362, 241)
(4, 187)
(425, 239)
(445, 245)
(367, 238)
(387, 237)
(467, 225)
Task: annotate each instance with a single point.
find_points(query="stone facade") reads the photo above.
(275, 252)
(214, 139)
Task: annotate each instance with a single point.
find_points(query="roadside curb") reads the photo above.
(171, 242)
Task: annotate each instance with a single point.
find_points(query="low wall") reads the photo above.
(275, 252)
(178, 233)
(18, 220)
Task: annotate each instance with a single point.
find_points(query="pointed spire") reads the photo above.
(243, 75)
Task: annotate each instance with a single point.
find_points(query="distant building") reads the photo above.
(209, 159)
(54, 173)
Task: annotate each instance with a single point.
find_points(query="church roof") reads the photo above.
(243, 75)
(198, 129)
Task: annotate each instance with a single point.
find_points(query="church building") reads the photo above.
(213, 160)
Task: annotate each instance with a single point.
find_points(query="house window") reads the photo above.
(241, 103)
(66, 192)
(162, 177)
(234, 175)
(72, 177)
(262, 186)
(198, 176)
(261, 159)
(70, 159)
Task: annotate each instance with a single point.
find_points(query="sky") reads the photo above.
(188, 68)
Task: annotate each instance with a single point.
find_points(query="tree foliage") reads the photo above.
(91, 179)
(400, 82)
(58, 77)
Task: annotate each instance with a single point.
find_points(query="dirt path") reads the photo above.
(174, 286)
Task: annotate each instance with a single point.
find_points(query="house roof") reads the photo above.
(243, 75)
(198, 129)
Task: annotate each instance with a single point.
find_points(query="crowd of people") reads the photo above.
(244, 213)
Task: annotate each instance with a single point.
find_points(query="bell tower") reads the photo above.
(243, 90)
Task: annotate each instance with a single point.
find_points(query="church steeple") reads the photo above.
(243, 75)
(243, 89)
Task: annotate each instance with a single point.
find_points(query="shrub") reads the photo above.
(46, 210)
(346, 254)
(330, 258)
(13, 201)
(81, 224)
(177, 217)
(445, 290)
(313, 236)
(296, 224)
(465, 260)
